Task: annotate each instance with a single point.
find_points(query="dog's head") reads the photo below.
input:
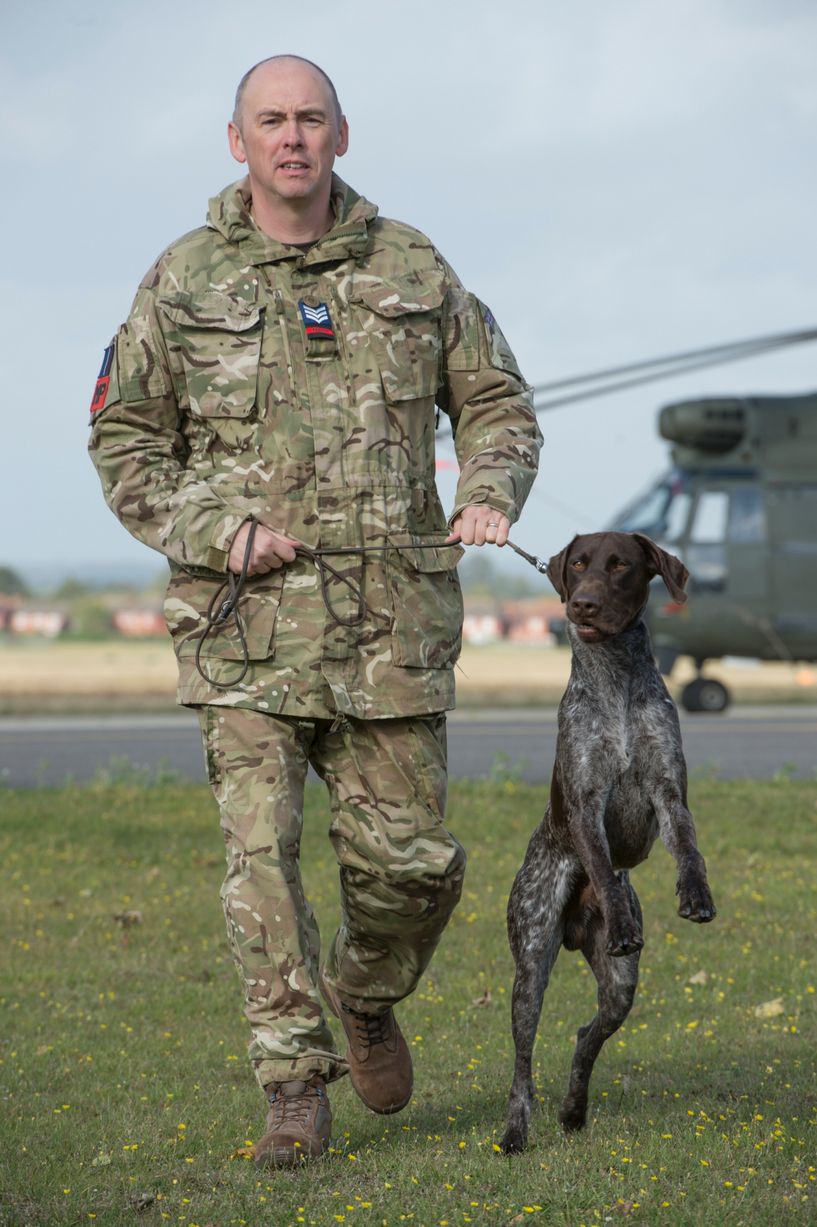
(604, 580)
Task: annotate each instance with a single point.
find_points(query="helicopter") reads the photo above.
(739, 507)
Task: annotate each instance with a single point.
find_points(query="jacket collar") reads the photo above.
(229, 215)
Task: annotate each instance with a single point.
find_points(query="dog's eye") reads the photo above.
(578, 564)
(620, 566)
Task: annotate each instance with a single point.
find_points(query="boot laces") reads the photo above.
(294, 1107)
(371, 1029)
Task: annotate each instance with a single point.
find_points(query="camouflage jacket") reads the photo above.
(253, 381)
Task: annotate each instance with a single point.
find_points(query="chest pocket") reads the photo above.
(218, 340)
(399, 336)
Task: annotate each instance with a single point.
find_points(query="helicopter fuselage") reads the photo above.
(740, 509)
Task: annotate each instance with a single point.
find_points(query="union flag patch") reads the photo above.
(103, 381)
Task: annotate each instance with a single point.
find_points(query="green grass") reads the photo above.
(126, 1097)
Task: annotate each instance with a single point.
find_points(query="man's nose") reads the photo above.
(292, 133)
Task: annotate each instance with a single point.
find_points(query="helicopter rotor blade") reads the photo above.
(726, 351)
(682, 368)
(654, 369)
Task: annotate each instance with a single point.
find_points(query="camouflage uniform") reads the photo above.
(255, 381)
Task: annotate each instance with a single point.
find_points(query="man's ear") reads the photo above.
(671, 569)
(343, 137)
(236, 142)
(557, 571)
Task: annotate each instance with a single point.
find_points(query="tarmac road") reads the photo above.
(746, 742)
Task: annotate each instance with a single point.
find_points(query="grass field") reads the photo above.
(125, 1093)
(41, 676)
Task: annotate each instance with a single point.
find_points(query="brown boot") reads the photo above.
(378, 1056)
(299, 1122)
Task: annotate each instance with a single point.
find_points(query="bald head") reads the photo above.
(288, 129)
(284, 60)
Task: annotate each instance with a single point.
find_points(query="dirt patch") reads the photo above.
(113, 675)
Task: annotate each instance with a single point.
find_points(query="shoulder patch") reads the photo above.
(500, 354)
(103, 381)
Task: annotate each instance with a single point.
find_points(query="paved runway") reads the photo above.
(751, 742)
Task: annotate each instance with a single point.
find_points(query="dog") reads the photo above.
(619, 780)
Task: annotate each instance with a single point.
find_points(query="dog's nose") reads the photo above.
(584, 607)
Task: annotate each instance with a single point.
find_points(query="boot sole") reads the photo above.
(288, 1158)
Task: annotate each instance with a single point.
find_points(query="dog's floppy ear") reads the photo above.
(557, 571)
(671, 569)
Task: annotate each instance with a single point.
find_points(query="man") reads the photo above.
(268, 411)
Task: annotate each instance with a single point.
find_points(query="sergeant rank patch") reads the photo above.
(103, 380)
(316, 320)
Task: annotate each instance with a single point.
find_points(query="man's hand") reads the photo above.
(269, 550)
(479, 525)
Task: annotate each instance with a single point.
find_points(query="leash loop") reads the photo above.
(228, 608)
(222, 607)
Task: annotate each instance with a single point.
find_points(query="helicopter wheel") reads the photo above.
(705, 694)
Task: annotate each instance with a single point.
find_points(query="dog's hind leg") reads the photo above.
(535, 930)
(617, 978)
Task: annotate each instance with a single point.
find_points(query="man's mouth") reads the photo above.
(293, 166)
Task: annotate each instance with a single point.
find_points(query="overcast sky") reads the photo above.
(616, 180)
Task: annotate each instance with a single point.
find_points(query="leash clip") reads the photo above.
(539, 563)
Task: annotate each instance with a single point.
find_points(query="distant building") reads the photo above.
(140, 622)
(482, 622)
(40, 619)
(528, 620)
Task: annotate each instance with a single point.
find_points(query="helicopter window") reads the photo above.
(676, 517)
(646, 512)
(709, 524)
(706, 553)
(747, 516)
(707, 566)
(660, 512)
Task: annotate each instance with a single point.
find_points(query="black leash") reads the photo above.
(224, 601)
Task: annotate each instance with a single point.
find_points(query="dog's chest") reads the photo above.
(615, 743)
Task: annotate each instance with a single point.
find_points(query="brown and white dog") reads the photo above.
(619, 780)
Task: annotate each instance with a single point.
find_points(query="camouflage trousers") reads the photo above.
(401, 871)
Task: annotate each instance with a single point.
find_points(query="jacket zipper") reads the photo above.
(280, 311)
(340, 333)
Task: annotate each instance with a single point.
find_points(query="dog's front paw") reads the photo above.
(624, 937)
(695, 901)
(624, 944)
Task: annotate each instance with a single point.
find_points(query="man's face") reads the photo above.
(289, 134)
